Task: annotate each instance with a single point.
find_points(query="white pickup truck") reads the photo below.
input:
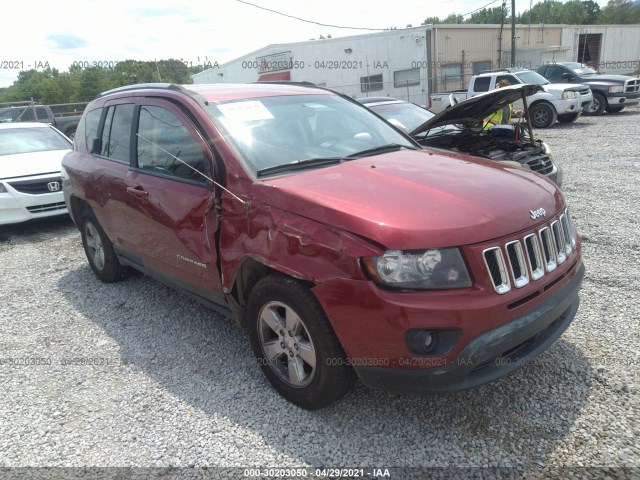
(558, 102)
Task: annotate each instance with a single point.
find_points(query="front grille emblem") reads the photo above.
(53, 186)
(541, 212)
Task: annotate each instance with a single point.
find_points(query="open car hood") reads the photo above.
(471, 111)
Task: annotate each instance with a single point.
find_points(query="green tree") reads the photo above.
(619, 12)
(453, 18)
(486, 15)
(431, 21)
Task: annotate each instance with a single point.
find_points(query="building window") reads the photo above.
(481, 66)
(452, 72)
(405, 78)
(371, 83)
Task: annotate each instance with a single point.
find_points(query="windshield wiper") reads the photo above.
(300, 165)
(390, 147)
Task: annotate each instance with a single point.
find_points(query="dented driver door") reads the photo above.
(173, 200)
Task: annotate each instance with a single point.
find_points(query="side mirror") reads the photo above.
(567, 76)
(452, 100)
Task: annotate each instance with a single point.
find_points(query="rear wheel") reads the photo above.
(295, 345)
(614, 109)
(597, 106)
(568, 117)
(99, 250)
(543, 115)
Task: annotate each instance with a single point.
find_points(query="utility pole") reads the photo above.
(513, 33)
(504, 3)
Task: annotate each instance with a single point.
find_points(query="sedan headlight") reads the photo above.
(423, 270)
(616, 89)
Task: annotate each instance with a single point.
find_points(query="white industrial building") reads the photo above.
(410, 63)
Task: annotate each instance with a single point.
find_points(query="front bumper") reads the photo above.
(17, 207)
(569, 106)
(626, 99)
(490, 355)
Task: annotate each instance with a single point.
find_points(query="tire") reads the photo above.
(543, 115)
(614, 109)
(597, 106)
(288, 328)
(99, 251)
(568, 117)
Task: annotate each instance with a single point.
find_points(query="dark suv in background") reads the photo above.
(610, 92)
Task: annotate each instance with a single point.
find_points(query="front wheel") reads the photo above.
(568, 117)
(543, 115)
(295, 345)
(598, 104)
(99, 250)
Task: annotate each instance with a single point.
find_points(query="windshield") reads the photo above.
(581, 69)
(405, 116)
(27, 140)
(279, 130)
(533, 78)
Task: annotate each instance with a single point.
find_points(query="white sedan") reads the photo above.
(30, 184)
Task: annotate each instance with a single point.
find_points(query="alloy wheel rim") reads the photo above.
(286, 344)
(94, 245)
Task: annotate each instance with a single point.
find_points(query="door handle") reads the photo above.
(138, 192)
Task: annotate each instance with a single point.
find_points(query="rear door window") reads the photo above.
(116, 133)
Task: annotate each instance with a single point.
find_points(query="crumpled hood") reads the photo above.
(416, 199)
(33, 163)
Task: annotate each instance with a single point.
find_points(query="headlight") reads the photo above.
(547, 148)
(423, 270)
(569, 94)
(616, 89)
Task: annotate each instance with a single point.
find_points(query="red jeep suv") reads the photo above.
(345, 249)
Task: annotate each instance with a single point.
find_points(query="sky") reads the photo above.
(66, 31)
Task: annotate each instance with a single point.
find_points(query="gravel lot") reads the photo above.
(175, 384)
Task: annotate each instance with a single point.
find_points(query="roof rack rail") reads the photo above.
(165, 86)
(304, 83)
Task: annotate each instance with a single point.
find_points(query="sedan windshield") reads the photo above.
(533, 78)
(405, 116)
(298, 129)
(27, 140)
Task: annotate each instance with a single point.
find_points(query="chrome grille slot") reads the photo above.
(494, 260)
(516, 262)
(534, 256)
(572, 231)
(548, 249)
(632, 86)
(558, 238)
(564, 223)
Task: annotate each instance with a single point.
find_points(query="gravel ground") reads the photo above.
(173, 384)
